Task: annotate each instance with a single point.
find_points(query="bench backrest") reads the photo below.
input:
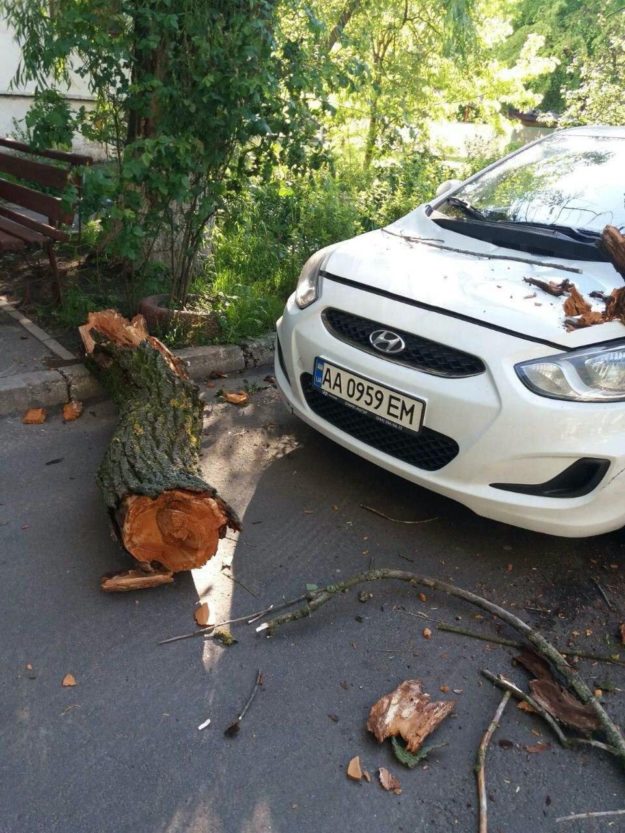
(35, 172)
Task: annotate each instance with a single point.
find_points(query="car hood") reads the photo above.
(417, 259)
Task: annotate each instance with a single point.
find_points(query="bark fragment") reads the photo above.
(563, 705)
(128, 580)
(613, 244)
(407, 712)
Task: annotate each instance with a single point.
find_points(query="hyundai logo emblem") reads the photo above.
(386, 341)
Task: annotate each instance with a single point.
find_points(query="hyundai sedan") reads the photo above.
(431, 348)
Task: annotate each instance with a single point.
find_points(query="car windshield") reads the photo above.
(568, 180)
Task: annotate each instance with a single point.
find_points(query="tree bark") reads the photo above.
(162, 508)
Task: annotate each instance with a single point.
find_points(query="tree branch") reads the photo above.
(481, 759)
(548, 651)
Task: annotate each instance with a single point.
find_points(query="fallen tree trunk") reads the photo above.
(162, 508)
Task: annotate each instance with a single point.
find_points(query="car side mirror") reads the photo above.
(447, 185)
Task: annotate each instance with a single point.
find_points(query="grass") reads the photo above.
(258, 245)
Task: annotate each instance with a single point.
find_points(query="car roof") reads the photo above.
(595, 130)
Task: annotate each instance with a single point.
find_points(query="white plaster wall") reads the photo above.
(15, 101)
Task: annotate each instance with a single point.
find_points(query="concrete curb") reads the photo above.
(51, 388)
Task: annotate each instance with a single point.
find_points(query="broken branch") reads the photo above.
(514, 643)
(545, 648)
(481, 759)
(507, 685)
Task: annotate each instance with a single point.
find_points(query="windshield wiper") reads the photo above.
(467, 209)
(584, 235)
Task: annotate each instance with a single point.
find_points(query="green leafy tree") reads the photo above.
(189, 94)
(599, 97)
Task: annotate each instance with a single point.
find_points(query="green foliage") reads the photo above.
(573, 31)
(599, 98)
(411, 759)
(49, 122)
(186, 92)
(268, 231)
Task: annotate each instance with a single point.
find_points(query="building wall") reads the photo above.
(15, 102)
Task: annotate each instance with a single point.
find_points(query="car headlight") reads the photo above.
(309, 282)
(593, 375)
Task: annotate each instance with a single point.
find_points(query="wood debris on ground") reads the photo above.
(389, 781)
(201, 615)
(239, 398)
(68, 681)
(354, 770)
(72, 410)
(408, 712)
(127, 580)
(35, 416)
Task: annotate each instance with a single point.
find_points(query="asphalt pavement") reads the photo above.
(121, 751)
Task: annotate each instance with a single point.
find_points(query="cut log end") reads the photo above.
(179, 529)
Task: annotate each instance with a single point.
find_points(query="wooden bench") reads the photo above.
(33, 202)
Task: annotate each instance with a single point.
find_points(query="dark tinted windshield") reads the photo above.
(567, 180)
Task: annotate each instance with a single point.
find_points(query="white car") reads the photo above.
(423, 348)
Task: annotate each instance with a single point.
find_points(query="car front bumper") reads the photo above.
(505, 433)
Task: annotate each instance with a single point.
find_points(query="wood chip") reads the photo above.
(35, 416)
(68, 680)
(427, 633)
(366, 776)
(621, 632)
(407, 712)
(127, 580)
(537, 747)
(525, 707)
(239, 398)
(354, 770)
(201, 615)
(72, 410)
(388, 781)
(422, 597)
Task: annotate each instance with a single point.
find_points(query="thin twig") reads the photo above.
(251, 617)
(606, 598)
(238, 581)
(396, 520)
(537, 640)
(507, 685)
(234, 727)
(496, 640)
(513, 643)
(592, 815)
(481, 759)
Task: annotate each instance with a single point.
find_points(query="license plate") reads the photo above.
(386, 404)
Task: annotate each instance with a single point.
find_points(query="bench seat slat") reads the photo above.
(60, 155)
(10, 243)
(30, 237)
(36, 225)
(42, 174)
(44, 204)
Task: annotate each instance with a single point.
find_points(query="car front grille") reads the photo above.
(427, 449)
(420, 353)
